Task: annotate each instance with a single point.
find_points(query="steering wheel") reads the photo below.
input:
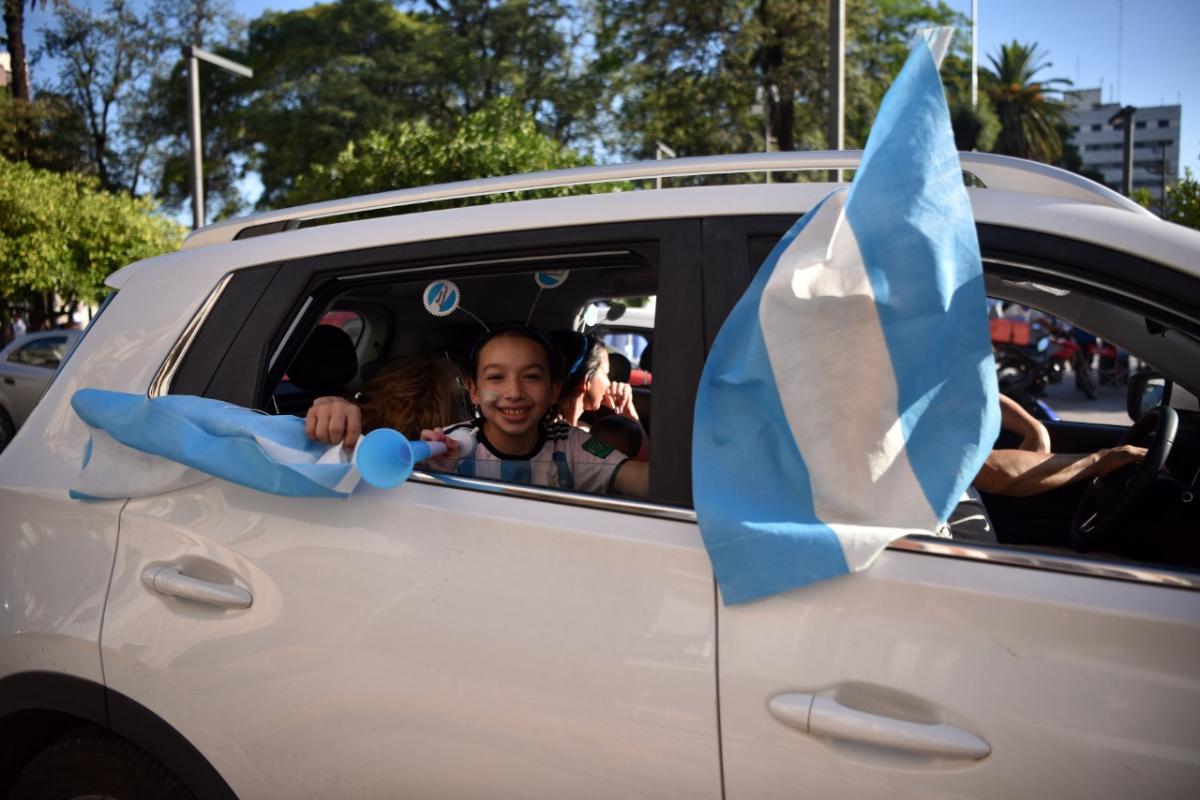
(1108, 501)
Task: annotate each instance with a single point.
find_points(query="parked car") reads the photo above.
(26, 365)
(482, 639)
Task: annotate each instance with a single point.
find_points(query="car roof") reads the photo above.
(1020, 194)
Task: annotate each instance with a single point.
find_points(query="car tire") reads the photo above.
(96, 764)
(7, 429)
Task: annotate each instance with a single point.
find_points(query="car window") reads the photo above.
(351, 322)
(1056, 370)
(1068, 348)
(45, 352)
(429, 374)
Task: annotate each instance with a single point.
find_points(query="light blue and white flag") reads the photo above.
(850, 397)
(142, 446)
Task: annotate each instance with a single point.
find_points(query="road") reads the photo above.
(1072, 405)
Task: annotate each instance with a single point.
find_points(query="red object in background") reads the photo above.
(640, 377)
(1010, 331)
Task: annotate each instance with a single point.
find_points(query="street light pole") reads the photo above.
(837, 79)
(195, 55)
(1126, 115)
(974, 57)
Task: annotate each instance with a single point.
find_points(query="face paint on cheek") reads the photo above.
(488, 399)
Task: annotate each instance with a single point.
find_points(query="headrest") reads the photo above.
(326, 362)
(573, 347)
(619, 368)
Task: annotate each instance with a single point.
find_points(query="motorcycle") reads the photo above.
(1066, 349)
(1024, 365)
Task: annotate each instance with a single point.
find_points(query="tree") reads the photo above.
(1030, 120)
(104, 58)
(45, 132)
(706, 76)
(14, 28)
(61, 235)
(1182, 203)
(533, 51)
(160, 119)
(500, 139)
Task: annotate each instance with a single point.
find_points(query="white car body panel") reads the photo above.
(1081, 686)
(424, 641)
(432, 641)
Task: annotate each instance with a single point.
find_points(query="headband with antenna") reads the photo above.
(442, 297)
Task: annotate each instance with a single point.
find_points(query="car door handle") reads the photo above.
(825, 716)
(171, 581)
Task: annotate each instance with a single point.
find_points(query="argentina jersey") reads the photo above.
(565, 457)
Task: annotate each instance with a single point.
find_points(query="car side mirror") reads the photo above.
(1147, 390)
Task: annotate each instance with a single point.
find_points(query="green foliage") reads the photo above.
(975, 128)
(1030, 120)
(103, 57)
(498, 140)
(62, 235)
(1183, 201)
(45, 132)
(708, 76)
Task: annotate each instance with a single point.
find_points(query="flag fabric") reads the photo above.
(142, 446)
(850, 397)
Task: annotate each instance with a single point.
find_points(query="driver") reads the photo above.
(1027, 470)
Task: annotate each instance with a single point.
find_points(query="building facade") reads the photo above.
(1101, 143)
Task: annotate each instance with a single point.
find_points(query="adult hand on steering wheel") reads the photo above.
(1109, 500)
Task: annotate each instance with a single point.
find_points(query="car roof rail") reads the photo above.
(994, 171)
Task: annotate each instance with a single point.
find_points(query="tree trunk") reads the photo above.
(14, 26)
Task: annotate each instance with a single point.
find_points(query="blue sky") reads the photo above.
(1159, 61)
(1158, 64)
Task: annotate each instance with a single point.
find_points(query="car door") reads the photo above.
(956, 670)
(435, 640)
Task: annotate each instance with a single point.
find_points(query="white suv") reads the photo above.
(484, 639)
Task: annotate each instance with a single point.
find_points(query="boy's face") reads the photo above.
(513, 389)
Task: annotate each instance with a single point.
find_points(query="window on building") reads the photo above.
(1140, 124)
(1164, 123)
(1097, 127)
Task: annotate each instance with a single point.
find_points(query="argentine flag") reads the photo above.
(142, 446)
(850, 397)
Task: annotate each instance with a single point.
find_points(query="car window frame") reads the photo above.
(248, 330)
(732, 243)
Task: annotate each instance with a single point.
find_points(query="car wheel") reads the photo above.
(100, 766)
(6, 429)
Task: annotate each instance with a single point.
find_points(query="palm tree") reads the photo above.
(14, 28)
(1029, 120)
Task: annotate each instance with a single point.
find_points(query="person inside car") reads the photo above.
(408, 395)
(514, 380)
(1030, 468)
(587, 385)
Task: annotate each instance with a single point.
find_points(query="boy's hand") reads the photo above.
(442, 463)
(332, 420)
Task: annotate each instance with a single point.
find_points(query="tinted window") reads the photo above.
(47, 352)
